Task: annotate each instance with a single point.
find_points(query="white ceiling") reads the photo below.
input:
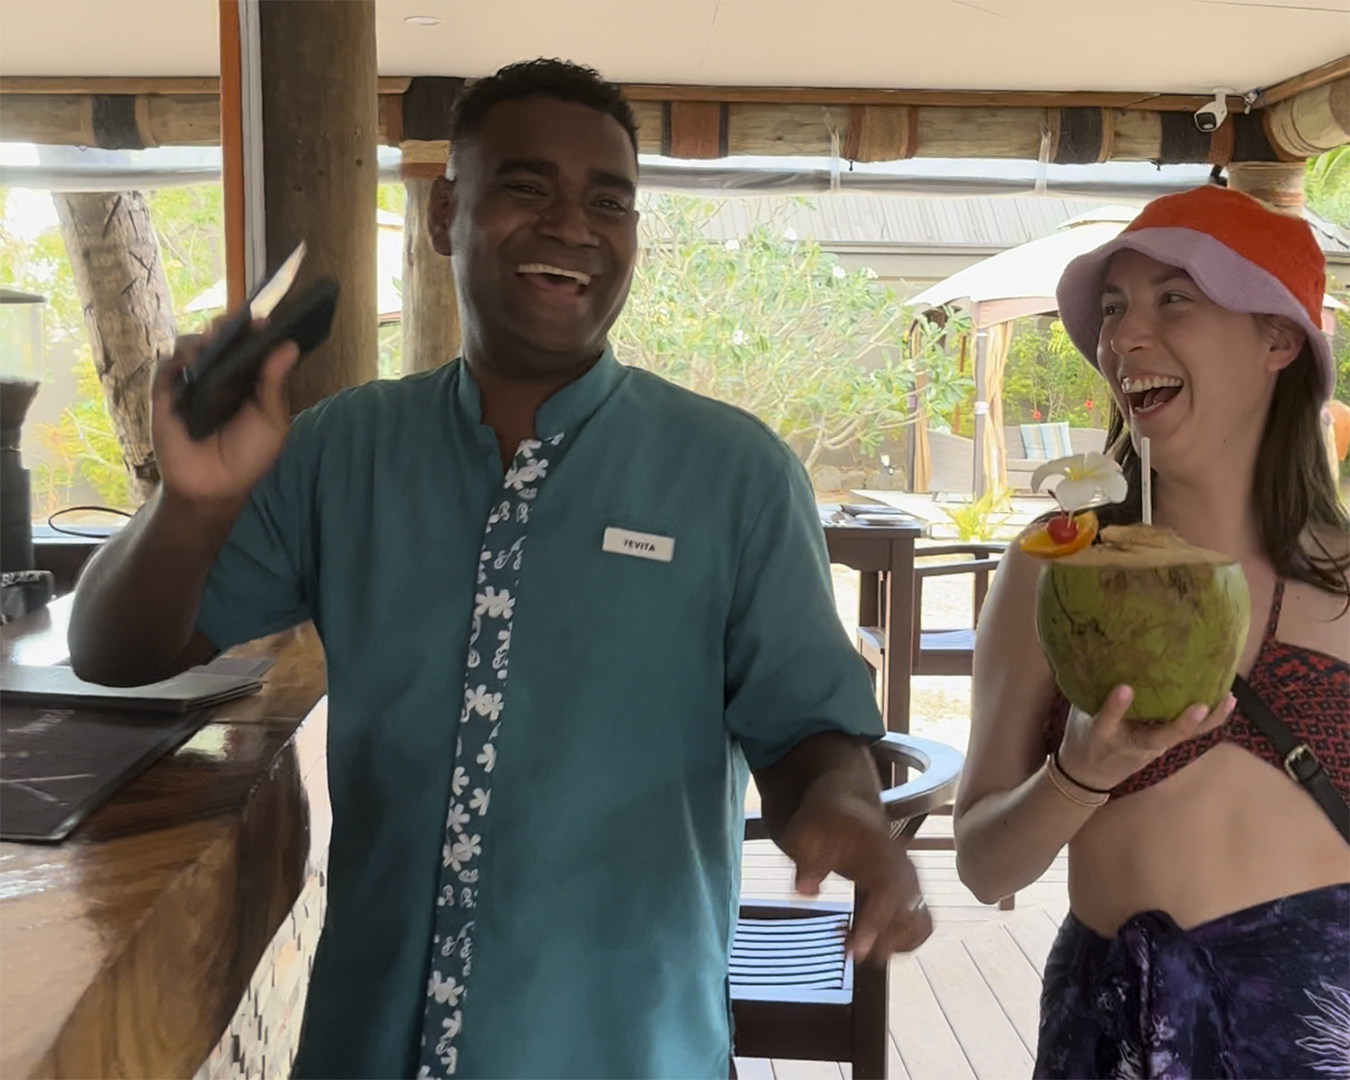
(1164, 46)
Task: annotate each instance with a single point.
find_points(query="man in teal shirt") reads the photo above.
(564, 605)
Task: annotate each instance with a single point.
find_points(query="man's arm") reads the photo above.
(135, 611)
(821, 803)
(134, 618)
(829, 762)
(801, 706)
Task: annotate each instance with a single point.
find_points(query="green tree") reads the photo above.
(778, 327)
(40, 266)
(390, 363)
(392, 198)
(190, 222)
(1046, 380)
(1326, 186)
(81, 445)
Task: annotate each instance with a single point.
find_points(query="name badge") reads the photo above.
(639, 545)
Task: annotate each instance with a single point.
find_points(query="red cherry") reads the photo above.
(1062, 529)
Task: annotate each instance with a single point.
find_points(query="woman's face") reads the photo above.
(1194, 377)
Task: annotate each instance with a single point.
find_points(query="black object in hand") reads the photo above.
(224, 375)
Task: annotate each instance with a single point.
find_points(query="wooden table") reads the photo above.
(125, 950)
(884, 554)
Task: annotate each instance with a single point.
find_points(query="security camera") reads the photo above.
(1212, 115)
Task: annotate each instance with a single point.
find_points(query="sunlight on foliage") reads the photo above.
(1326, 186)
(776, 326)
(392, 198)
(81, 446)
(980, 519)
(1046, 380)
(190, 223)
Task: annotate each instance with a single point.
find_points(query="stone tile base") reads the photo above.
(261, 1040)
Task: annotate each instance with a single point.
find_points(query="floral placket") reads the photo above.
(480, 720)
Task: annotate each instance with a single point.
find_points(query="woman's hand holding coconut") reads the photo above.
(1209, 932)
(1099, 753)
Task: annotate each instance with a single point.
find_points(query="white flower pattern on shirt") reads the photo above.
(480, 722)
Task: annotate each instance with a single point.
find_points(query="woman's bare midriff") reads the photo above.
(1226, 832)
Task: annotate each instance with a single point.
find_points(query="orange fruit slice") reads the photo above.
(1041, 543)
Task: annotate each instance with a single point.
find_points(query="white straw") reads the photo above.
(1146, 475)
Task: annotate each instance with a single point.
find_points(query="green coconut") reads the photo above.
(1144, 608)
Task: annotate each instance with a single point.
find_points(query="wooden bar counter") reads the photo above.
(126, 950)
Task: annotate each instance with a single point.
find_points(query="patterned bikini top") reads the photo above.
(1307, 689)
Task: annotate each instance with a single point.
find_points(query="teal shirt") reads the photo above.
(639, 692)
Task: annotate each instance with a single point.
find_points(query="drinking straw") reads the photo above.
(1146, 474)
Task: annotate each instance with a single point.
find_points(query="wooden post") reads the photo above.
(232, 179)
(995, 443)
(1279, 183)
(128, 313)
(319, 142)
(430, 306)
(981, 410)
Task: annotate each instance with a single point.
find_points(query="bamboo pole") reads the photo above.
(763, 95)
(868, 126)
(1311, 122)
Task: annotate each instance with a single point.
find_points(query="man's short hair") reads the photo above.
(560, 80)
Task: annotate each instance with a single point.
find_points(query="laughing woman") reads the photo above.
(1209, 925)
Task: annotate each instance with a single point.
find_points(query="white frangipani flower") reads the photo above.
(1085, 479)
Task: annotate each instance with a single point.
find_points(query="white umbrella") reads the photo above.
(1021, 281)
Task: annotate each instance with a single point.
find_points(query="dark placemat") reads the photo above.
(56, 686)
(247, 667)
(59, 765)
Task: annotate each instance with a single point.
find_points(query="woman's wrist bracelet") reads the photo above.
(1077, 783)
(1051, 769)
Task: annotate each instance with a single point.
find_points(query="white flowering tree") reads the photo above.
(777, 326)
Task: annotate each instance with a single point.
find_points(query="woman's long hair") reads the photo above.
(1293, 488)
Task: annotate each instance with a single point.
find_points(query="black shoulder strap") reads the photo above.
(1299, 760)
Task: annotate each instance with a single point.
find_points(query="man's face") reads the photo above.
(541, 228)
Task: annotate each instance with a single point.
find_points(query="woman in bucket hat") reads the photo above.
(1209, 925)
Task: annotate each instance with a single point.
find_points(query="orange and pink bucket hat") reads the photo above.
(1242, 255)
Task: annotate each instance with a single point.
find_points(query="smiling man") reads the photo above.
(564, 605)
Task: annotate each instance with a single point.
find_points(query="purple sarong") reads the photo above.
(1264, 992)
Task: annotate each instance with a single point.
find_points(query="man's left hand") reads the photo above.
(841, 832)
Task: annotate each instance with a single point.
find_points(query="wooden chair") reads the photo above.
(941, 652)
(794, 992)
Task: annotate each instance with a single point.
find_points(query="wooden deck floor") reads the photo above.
(965, 1005)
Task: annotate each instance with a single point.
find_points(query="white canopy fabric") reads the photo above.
(1149, 46)
(1021, 281)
